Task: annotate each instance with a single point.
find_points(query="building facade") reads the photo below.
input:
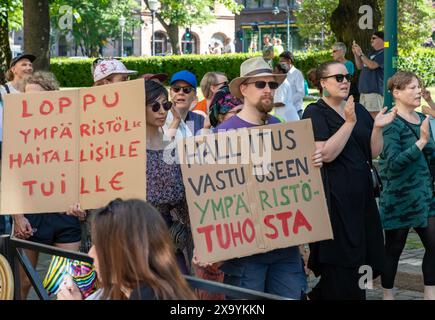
(274, 18)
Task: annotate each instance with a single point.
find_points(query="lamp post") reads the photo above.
(122, 25)
(152, 5)
(277, 10)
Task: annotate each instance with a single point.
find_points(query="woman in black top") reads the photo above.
(349, 139)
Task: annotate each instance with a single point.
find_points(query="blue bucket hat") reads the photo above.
(186, 76)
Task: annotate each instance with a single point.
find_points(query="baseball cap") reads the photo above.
(186, 76)
(108, 67)
(14, 61)
(159, 76)
(379, 34)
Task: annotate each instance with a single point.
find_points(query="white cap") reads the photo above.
(108, 67)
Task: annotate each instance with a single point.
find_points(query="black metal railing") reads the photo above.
(13, 250)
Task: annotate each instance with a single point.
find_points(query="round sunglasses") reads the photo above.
(262, 84)
(340, 77)
(155, 106)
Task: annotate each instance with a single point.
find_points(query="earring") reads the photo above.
(326, 92)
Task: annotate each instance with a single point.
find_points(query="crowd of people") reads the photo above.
(154, 245)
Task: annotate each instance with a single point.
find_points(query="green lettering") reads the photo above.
(263, 197)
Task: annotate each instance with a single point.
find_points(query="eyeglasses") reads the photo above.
(156, 106)
(340, 77)
(262, 84)
(186, 90)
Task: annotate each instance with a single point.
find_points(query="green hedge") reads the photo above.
(77, 73)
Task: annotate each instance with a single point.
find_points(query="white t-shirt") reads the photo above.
(288, 111)
(3, 92)
(297, 91)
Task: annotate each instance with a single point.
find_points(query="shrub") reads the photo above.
(77, 73)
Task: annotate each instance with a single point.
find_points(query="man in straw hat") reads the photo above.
(278, 271)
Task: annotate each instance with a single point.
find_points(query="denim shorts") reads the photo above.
(278, 272)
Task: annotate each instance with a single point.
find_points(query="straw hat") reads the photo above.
(253, 68)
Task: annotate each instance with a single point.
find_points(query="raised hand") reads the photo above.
(349, 110)
(382, 118)
(426, 95)
(425, 130)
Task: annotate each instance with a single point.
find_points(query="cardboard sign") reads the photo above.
(253, 190)
(82, 145)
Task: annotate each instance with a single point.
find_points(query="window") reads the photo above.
(161, 43)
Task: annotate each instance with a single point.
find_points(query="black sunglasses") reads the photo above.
(262, 84)
(340, 77)
(186, 90)
(156, 106)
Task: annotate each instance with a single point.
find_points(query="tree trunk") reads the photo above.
(5, 49)
(173, 35)
(345, 23)
(37, 32)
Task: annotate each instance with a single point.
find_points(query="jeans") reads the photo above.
(278, 272)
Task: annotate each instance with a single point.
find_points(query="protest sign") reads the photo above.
(253, 190)
(82, 146)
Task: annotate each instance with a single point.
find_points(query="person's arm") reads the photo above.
(377, 140)
(356, 50)
(397, 158)
(371, 64)
(332, 147)
(298, 95)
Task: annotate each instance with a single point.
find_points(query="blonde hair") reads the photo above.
(209, 79)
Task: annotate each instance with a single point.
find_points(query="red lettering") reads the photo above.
(82, 186)
(97, 185)
(25, 113)
(67, 158)
(64, 102)
(223, 244)
(266, 220)
(46, 193)
(84, 130)
(236, 234)
(300, 221)
(207, 232)
(284, 217)
(248, 223)
(18, 160)
(29, 184)
(50, 107)
(113, 181)
(113, 104)
(87, 100)
(132, 149)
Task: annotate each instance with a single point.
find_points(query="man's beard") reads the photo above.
(265, 105)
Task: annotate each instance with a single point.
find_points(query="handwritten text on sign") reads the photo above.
(70, 146)
(239, 208)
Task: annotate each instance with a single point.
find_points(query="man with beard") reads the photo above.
(278, 271)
